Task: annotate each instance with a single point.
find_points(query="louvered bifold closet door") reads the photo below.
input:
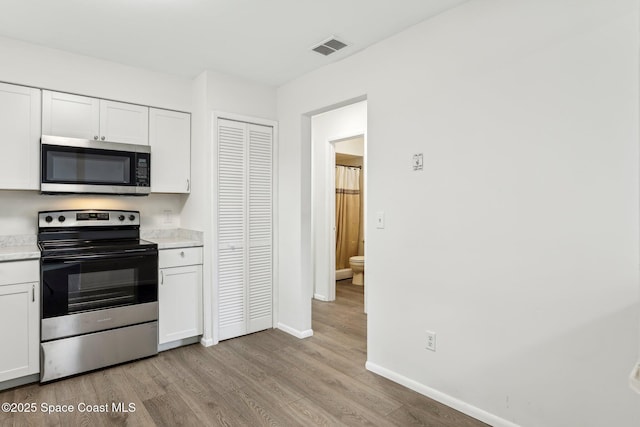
(232, 302)
(260, 283)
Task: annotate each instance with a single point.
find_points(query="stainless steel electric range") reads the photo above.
(99, 291)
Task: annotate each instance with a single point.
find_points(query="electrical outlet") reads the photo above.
(168, 216)
(431, 341)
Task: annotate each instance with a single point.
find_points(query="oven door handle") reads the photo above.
(74, 259)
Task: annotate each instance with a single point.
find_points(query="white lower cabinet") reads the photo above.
(19, 319)
(180, 294)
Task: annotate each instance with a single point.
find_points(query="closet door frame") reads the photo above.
(212, 297)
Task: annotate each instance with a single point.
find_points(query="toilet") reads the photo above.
(357, 266)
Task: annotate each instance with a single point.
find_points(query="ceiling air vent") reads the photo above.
(329, 46)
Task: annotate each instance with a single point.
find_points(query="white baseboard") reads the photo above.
(296, 333)
(206, 342)
(178, 343)
(320, 297)
(443, 398)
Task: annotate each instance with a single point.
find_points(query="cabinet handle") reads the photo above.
(102, 138)
(188, 184)
(182, 254)
(161, 277)
(33, 293)
(95, 137)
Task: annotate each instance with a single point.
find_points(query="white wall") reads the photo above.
(213, 92)
(340, 123)
(19, 213)
(518, 244)
(31, 65)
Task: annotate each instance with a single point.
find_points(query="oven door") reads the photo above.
(82, 283)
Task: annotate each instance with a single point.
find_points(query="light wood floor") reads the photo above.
(268, 378)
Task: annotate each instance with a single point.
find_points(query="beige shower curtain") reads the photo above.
(347, 214)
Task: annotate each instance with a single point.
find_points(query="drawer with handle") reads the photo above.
(14, 272)
(179, 257)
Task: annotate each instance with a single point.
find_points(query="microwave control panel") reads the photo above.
(143, 175)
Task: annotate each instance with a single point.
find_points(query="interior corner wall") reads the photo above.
(347, 121)
(518, 244)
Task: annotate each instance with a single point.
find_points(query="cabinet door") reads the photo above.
(69, 115)
(19, 331)
(19, 137)
(170, 140)
(125, 123)
(180, 303)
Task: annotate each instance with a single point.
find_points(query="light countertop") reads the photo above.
(22, 252)
(173, 242)
(23, 247)
(173, 238)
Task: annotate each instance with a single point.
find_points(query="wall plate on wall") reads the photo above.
(417, 162)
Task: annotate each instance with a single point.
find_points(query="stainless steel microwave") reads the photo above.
(71, 165)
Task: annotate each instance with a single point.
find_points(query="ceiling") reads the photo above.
(268, 41)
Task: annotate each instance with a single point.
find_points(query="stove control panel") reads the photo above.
(92, 216)
(86, 218)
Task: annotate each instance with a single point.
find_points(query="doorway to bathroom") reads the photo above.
(348, 218)
(339, 200)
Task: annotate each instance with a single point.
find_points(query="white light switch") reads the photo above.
(380, 219)
(418, 162)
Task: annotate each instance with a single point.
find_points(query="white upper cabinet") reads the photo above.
(19, 137)
(68, 115)
(120, 122)
(83, 117)
(170, 141)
